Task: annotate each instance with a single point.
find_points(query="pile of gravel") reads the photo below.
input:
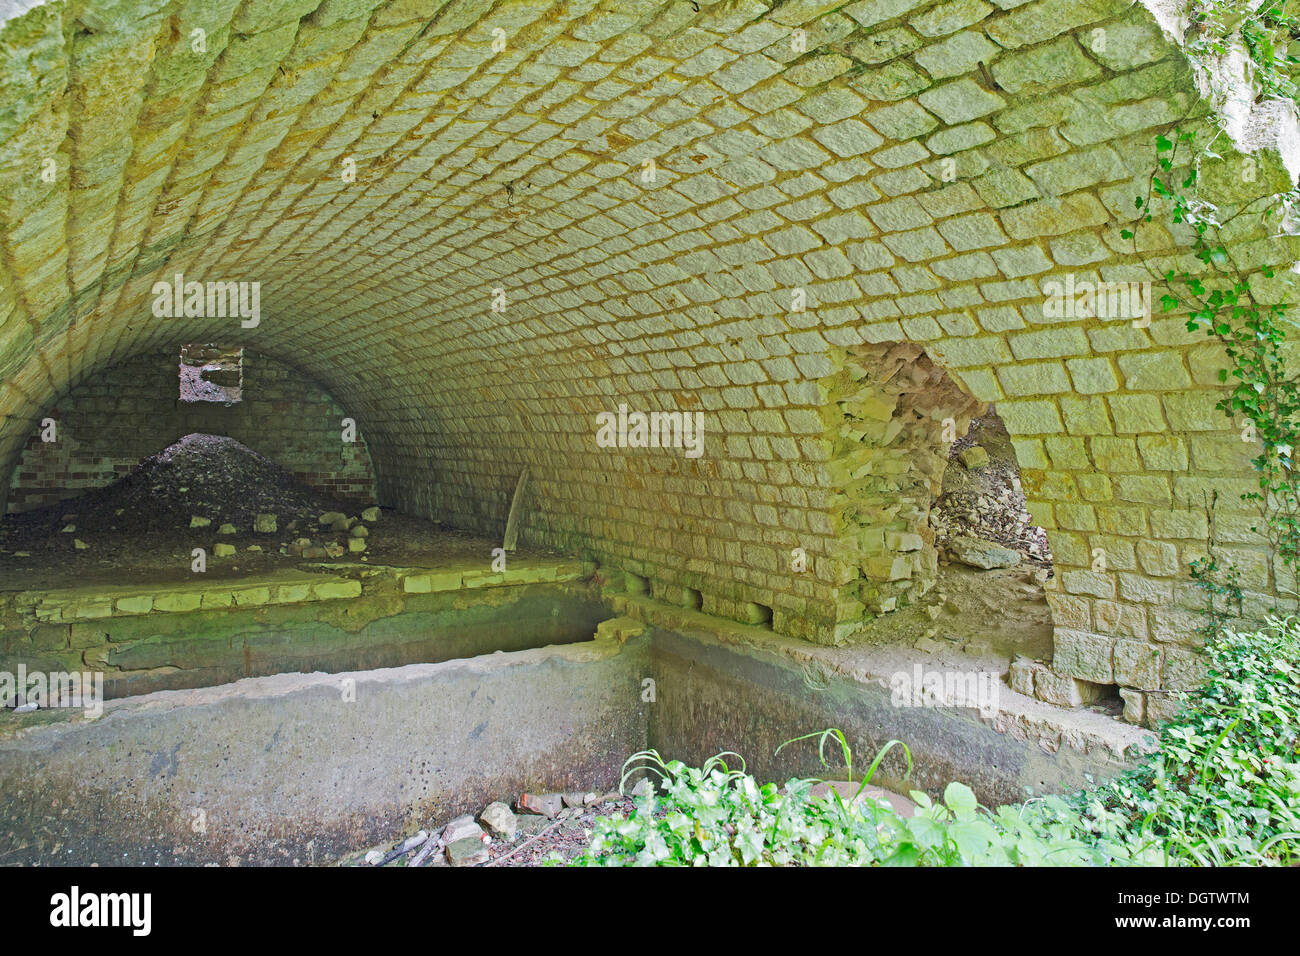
(206, 475)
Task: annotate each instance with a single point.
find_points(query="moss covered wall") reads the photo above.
(484, 224)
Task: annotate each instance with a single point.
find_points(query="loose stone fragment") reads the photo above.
(467, 852)
(370, 515)
(499, 820)
(548, 805)
(197, 522)
(462, 828)
(978, 553)
(265, 524)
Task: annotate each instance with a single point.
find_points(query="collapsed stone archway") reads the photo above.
(901, 414)
(483, 224)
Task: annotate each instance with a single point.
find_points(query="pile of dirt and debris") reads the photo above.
(247, 513)
(982, 497)
(201, 475)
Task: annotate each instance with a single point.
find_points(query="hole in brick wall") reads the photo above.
(1105, 699)
(692, 599)
(994, 561)
(928, 578)
(635, 584)
(982, 497)
(211, 373)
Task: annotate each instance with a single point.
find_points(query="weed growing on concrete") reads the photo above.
(1223, 788)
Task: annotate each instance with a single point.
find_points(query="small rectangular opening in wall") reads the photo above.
(692, 599)
(211, 373)
(635, 584)
(759, 614)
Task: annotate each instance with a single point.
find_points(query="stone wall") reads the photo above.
(484, 224)
(104, 427)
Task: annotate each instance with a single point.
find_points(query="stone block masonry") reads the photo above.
(481, 225)
(105, 426)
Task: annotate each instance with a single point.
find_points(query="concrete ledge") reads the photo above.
(762, 689)
(332, 582)
(300, 768)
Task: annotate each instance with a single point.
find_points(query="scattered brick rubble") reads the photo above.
(539, 825)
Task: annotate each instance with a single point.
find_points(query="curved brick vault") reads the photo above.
(918, 169)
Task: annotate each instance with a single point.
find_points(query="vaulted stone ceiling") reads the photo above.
(648, 185)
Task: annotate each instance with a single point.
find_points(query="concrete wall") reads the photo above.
(285, 623)
(106, 425)
(304, 768)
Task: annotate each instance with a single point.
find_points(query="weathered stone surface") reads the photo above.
(1085, 656)
(1063, 691)
(1137, 664)
(364, 785)
(500, 821)
(548, 804)
(985, 555)
(991, 147)
(467, 852)
(1134, 705)
(974, 457)
(1020, 676)
(462, 828)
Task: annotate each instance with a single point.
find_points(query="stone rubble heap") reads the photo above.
(467, 841)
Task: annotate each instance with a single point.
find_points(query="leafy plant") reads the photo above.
(1267, 32)
(1222, 788)
(1264, 396)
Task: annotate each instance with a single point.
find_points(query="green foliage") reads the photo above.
(1224, 785)
(1219, 580)
(1223, 788)
(1268, 34)
(1263, 398)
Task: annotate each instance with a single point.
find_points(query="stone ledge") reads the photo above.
(82, 604)
(1023, 717)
